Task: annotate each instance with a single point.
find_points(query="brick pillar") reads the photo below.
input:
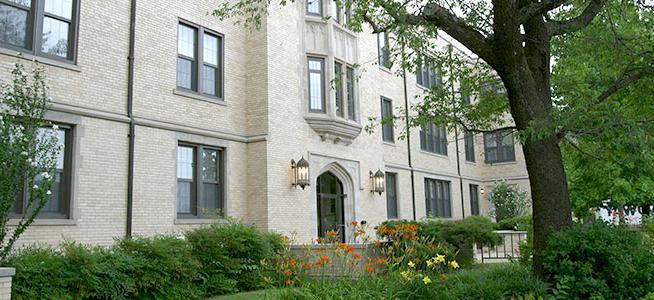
(5, 282)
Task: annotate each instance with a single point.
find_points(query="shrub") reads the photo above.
(165, 267)
(158, 268)
(231, 255)
(214, 260)
(508, 201)
(600, 260)
(520, 223)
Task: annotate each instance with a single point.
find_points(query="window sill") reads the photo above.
(472, 163)
(198, 96)
(40, 59)
(502, 163)
(315, 18)
(191, 221)
(385, 69)
(46, 222)
(387, 143)
(434, 154)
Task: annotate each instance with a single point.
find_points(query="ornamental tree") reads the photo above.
(28, 152)
(509, 69)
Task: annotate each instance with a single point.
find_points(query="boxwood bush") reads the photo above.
(600, 260)
(219, 259)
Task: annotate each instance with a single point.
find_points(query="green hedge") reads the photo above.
(213, 260)
(600, 260)
(520, 223)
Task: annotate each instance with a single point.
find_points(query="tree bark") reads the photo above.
(549, 193)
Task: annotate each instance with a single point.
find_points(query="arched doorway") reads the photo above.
(330, 205)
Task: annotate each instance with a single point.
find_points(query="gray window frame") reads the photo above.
(474, 199)
(198, 62)
(438, 198)
(322, 84)
(500, 147)
(469, 146)
(427, 75)
(350, 87)
(66, 185)
(35, 16)
(198, 181)
(339, 91)
(433, 139)
(320, 14)
(384, 54)
(392, 203)
(388, 132)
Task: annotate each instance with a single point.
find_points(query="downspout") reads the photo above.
(456, 140)
(408, 136)
(130, 115)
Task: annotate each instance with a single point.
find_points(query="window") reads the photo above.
(342, 15)
(433, 139)
(428, 75)
(351, 110)
(387, 120)
(474, 199)
(199, 60)
(437, 198)
(316, 84)
(314, 7)
(391, 195)
(384, 50)
(469, 145)
(199, 190)
(338, 88)
(57, 205)
(50, 30)
(498, 146)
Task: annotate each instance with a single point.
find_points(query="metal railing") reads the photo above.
(508, 249)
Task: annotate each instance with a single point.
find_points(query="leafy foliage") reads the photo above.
(508, 201)
(520, 223)
(609, 148)
(160, 267)
(459, 235)
(486, 282)
(230, 252)
(600, 260)
(27, 152)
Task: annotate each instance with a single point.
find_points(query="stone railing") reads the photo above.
(6, 275)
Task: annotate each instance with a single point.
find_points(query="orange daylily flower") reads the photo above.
(289, 282)
(354, 223)
(292, 262)
(356, 256)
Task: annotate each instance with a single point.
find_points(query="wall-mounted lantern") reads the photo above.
(300, 173)
(481, 191)
(377, 182)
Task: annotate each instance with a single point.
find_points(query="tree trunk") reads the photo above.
(549, 193)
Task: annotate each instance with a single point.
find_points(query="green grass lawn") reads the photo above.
(255, 295)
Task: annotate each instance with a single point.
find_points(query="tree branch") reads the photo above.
(578, 22)
(537, 8)
(621, 83)
(442, 18)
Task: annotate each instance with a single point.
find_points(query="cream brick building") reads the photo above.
(201, 87)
